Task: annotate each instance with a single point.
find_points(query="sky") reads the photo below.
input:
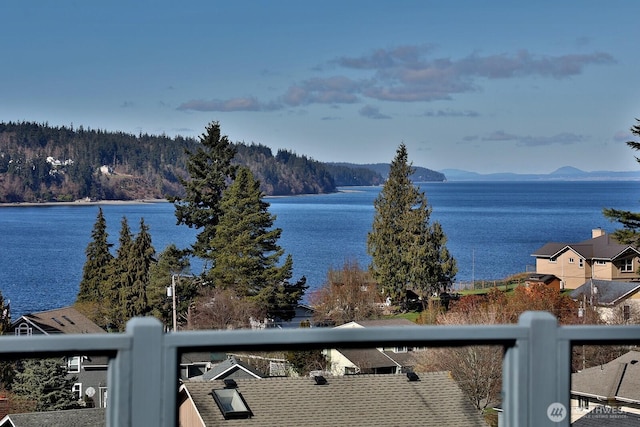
(483, 86)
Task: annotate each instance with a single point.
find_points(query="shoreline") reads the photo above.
(82, 203)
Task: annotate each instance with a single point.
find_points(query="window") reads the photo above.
(572, 261)
(601, 262)
(103, 397)
(581, 263)
(626, 313)
(231, 404)
(24, 329)
(553, 260)
(77, 390)
(73, 364)
(626, 265)
(350, 370)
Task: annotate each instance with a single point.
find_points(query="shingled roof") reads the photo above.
(614, 418)
(95, 417)
(616, 380)
(65, 320)
(231, 368)
(352, 400)
(608, 292)
(604, 247)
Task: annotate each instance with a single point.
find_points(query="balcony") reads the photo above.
(143, 367)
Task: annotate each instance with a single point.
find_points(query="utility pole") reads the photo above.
(171, 292)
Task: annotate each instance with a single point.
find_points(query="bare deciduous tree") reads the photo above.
(223, 309)
(349, 294)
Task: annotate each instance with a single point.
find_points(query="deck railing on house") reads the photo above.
(143, 369)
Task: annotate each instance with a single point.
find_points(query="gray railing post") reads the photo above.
(136, 377)
(537, 375)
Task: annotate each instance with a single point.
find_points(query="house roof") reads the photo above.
(619, 379)
(65, 320)
(227, 367)
(396, 321)
(615, 418)
(542, 278)
(608, 292)
(604, 247)
(435, 400)
(368, 358)
(95, 417)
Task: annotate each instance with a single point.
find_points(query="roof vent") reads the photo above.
(230, 383)
(320, 380)
(634, 361)
(412, 376)
(67, 319)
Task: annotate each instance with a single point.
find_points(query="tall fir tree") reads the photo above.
(120, 280)
(246, 252)
(210, 171)
(141, 257)
(630, 232)
(96, 271)
(407, 251)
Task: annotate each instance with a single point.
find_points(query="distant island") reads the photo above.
(565, 173)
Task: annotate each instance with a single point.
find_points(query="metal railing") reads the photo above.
(143, 367)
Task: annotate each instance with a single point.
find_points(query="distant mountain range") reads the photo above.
(566, 173)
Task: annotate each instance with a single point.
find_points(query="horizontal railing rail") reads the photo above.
(143, 367)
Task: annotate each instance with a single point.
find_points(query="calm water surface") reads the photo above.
(492, 229)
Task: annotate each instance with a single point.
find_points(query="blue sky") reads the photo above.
(486, 86)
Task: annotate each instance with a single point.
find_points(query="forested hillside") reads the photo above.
(42, 163)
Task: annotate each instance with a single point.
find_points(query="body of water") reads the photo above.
(492, 229)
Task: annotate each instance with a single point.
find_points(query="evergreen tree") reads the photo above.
(121, 279)
(407, 251)
(246, 252)
(171, 261)
(210, 170)
(45, 382)
(134, 295)
(630, 232)
(96, 271)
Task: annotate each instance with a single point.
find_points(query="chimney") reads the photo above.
(597, 232)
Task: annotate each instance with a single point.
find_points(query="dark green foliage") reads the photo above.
(112, 293)
(135, 267)
(144, 166)
(347, 174)
(246, 253)
(141, 166)
(45, 382)
(286, 173)
(120, 279)
(97, 269)
(210, 171)
(630, 231)
(407, 251)
(171, 261)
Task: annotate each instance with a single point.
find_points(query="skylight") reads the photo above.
(231, 403)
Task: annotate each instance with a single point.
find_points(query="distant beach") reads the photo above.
(82, 202)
